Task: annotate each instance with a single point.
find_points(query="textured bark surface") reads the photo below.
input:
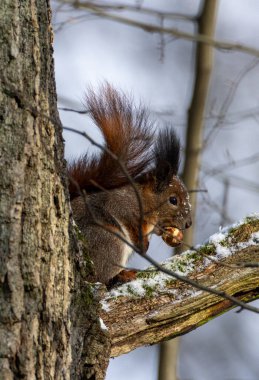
(35, 269)
(41, 274)
(152, 309)
(90, 343)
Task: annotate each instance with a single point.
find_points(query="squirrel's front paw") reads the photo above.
(122, 277)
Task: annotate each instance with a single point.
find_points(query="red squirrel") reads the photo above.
(131, 189)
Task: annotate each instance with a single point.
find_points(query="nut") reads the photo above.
(172, 236)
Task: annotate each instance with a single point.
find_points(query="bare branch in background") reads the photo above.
(224, 214)
(220, 169)
(229, 99)
(147, 27)
(81, 112)
(138, 9)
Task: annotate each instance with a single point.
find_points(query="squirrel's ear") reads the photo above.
(166, 156)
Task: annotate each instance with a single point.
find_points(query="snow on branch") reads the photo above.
(221, 274)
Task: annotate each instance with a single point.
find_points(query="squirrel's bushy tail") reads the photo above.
(128, 134)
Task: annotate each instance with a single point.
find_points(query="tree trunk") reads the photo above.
(40, 335)
(35, 269)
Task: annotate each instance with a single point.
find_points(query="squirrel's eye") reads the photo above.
(173, 201)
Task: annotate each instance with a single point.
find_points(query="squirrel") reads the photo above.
(131, 189)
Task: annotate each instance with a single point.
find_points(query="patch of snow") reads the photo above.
(182, 265)
(222, 251)
(225, 230)
(217, 238)
(102, 324)
(207, 261)
(255, 237)
(105, 305)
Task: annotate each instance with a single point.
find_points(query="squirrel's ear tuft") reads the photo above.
(167, 156)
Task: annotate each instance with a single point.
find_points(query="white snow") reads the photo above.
(102, 324)
(182, 265)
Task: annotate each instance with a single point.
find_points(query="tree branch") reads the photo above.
(152, 28)
(156, 307)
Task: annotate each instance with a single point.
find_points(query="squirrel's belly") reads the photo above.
(127, 246)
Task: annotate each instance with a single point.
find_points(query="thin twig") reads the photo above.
(83, 112)
(223, 45)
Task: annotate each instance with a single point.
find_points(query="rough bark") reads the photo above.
(35, 268)
(41, 273)
(154, 308)
(90, 343)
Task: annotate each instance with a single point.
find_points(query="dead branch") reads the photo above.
(156, 307)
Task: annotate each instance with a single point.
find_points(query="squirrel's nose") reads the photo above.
(188, 223)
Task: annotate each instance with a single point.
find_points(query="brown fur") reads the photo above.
(128, 135)
(111, 206)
